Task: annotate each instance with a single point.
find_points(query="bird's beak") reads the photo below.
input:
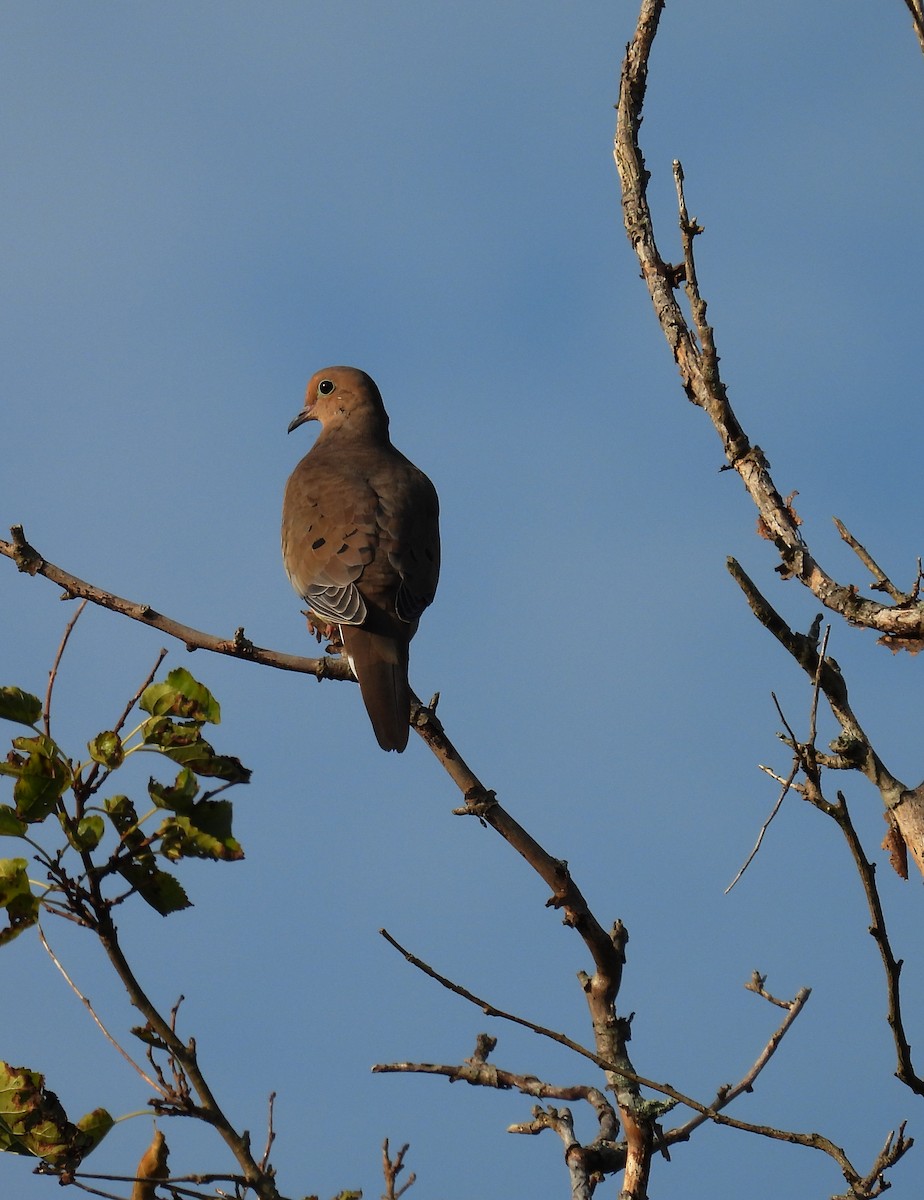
(307, 414)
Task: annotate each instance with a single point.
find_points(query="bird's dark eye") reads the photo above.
(326, 386)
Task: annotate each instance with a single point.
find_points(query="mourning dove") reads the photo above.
(360, 541)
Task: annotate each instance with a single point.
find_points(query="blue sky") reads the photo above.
(205, 203)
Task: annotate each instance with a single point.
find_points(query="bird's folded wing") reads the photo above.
(330, 535)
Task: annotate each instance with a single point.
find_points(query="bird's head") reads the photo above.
(343, 398)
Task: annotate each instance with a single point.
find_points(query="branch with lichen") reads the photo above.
(605, 1155)
(904, 805)
(692, 344)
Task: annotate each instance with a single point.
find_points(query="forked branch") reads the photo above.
(694, 352)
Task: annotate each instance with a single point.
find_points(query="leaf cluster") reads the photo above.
(91, 845)
(32, 1121)
(47, 782)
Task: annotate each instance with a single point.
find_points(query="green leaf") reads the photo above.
(90, 832)
(106, 749)
(13, 879)
(159, 889)
(39, 744)
(204, 831)
(180, 695)
(201, 758)
(184, 744)
(42, 778)
(22, 908)
(156, 887)
(95, 1125)
(12, 764)
(40, 785)
(10, 824)
(33, 1122)
(121, 812)
(19, 706)
(178, 796)
(164, 732)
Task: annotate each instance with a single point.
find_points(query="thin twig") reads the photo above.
(172, 1183)
(797, 761)
(812, 1141)
(270, 1132)
(816, 688)
(392, 1168)
(97, 776)
(879, 933)
(491, 1010)
(756, 985)
(487, 1075)
(787, 784)
(84, 1187)
(53, 673)
(727, 1094)
(882, 582)
(90, 1009)
(690, 229)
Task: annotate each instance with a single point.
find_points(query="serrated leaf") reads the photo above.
(12, 764)
(38, 744)
(10, 824)
(19, 706)
(177, 796)
(13, 879)
(184, 744)
(41, 783)
(164, 732)
(95, 1125)
(180, 695)
(201, 758)
(33, 1122)
(121, 812)
(156, 887)
(90, 832)
(106, 749)
(204, 831)
(43, 777)
(22, 908)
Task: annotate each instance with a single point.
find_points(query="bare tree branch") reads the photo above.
(729, 1092)
(813, 1141)
(903, 804)
(879, 933)
(916, 8)
(561, 1122)
(698, 362)
(29, 561)
(392, 1168)
(807, 760)
(643, 1136)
